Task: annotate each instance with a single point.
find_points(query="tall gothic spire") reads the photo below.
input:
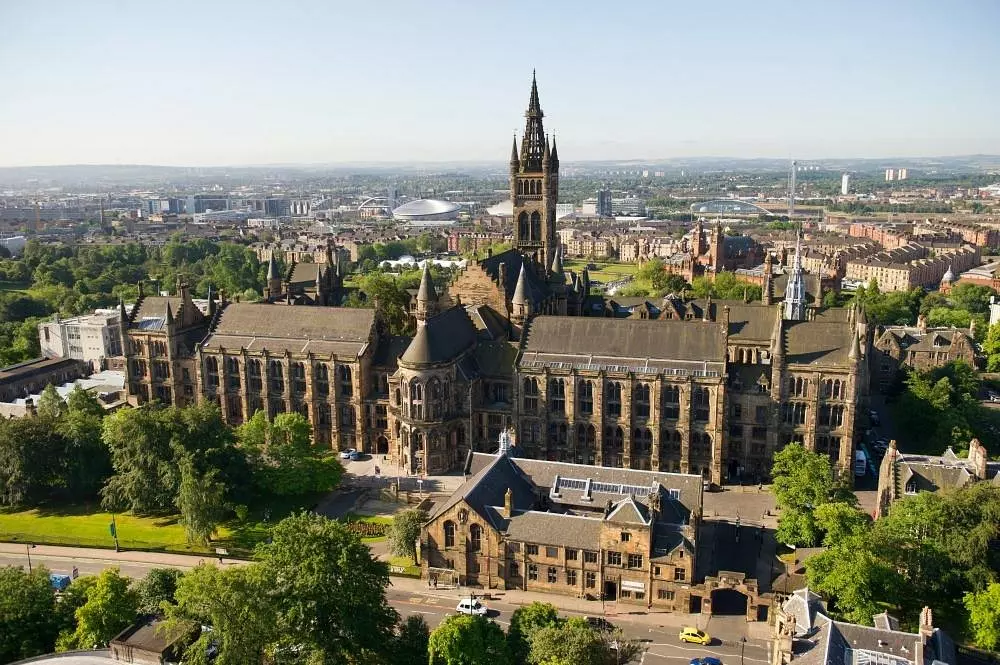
(795, 290)
(514, 161)
(533, 141)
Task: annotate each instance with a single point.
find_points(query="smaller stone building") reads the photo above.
(571, 529)
(918, 347)
(804, 633)
(905, 474)
(32, 376)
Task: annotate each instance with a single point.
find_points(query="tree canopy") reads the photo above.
(464, 639)
(804, 481)
(28, 623)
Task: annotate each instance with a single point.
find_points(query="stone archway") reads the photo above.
(746, 601)
(381, 445)
(729, 602)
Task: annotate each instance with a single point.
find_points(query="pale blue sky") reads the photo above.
(215, 83)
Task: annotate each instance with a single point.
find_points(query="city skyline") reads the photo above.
(246, 84)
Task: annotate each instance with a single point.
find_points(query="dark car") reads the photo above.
(707, 660)
(601, 624)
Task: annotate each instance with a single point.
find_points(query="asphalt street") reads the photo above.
(661, 642)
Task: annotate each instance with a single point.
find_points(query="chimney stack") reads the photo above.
(508, 503)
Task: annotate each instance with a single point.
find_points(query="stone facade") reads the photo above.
(918, 347)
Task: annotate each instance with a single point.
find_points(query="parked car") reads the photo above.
(692, 635)
(346, 454)
(59, 582)
(994, 397)
(471, 606)
(355, 456)
(707, 660)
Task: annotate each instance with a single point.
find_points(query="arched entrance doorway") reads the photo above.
(381, 446)
(729, 602)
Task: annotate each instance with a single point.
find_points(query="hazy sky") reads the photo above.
(217, 83)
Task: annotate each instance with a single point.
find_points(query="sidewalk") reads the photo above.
(125, 556)
(756, 632)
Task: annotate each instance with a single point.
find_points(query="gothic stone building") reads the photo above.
(710, 388)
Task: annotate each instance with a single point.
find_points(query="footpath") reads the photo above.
(164, 559)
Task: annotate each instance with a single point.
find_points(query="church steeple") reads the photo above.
(795, 290)
(533, 142)
(534, 188)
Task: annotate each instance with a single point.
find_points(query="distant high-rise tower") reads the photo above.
(791, 188)
(901, 174)
(604, 203)
(890, 175)
(845, 184)
(534, 186)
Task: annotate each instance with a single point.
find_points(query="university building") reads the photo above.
(711, 388)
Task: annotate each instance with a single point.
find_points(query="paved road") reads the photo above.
(660, 641)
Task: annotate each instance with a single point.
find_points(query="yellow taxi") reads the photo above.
(694, 636)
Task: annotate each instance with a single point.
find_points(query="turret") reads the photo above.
(520, 304)
(426, 296)
(554, 158)
(766, 289)
(170, 316)
(515, 163)
(273, 278)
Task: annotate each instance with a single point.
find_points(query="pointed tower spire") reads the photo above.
(795, 290)
(170, 315)
(520, 304)
(272, 268)
(557, 264)
(514, 161)
(533, 141)
(426, 296)
(855, 347)
(122, 312)
(554, 159)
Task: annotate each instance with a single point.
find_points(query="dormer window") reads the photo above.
(911, 486)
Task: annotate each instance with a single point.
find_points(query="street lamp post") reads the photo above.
(27, 550)
(743, 645)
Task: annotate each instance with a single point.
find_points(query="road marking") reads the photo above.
(416, 599)
(709, 651)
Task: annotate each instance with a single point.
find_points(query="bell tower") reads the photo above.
(534, 187)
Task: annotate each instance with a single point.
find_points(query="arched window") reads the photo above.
(536, 226)
(323, 380)
(254, 376)
(672, 402)
(557, 396)
(211, 372)
(586, 396)
(701, 398)
(277, 376)
(416, 400)
(642, 400)
(530, 386)
(346, 381)
(475, 537)
(522, 226)
(449, 534)
(613, 395)
(298, 374)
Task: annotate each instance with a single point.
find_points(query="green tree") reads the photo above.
(984, 616)
(856, 577)
(971, 297)
(31, 459)
(237, 603)
(70, 600)
(145, 476)
(110, 608)
(839, 521)
(991, 347)
(328, 590)
(28, 625)
(409, 647)
(50, 405)
(803, 480)
(468, 640)
(524, 622)
(283, 457)
(571, 642)
(156, 588)
(201, 502)
(404, 532)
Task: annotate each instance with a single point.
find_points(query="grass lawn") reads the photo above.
(82, 526)
(13, 286)
(78, 526)
(405, 563)
(606, 272)
(352, 517)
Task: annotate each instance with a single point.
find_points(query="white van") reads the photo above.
(471, 606)
(860, 463)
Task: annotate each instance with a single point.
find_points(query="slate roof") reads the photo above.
(152, 312)
(537, 289)
(489, 323)
(487, 488)
(544, 528)
(824, 641)
(496, 359)
(389, 350)
(818, 343)
(543, 474)
(933, 339)
(442, 338)
(812, 282)
(623, 342)
(322, 330)
(305, 274)
(629, 512)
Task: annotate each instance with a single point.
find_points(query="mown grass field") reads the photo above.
(606, 272)
(88, 526)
